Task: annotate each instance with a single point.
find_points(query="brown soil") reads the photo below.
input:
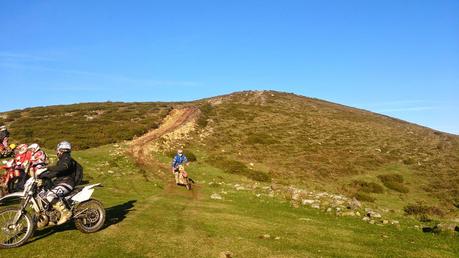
(140, 148)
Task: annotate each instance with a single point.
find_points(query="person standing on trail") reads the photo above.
(179, 159)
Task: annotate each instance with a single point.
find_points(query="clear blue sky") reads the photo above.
(399, 58)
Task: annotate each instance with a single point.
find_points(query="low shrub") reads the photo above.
(206, 110)
(261, 138)
(239, 168)
(367, 187)
(422, 209)
(364, 197)
(394, 182)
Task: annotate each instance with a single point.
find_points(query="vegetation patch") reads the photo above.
(206, 110)
(367, 187)
(239, 168)
(364, 197)
(84, 125)
(261, 138)
(394, 182)
(421, 209)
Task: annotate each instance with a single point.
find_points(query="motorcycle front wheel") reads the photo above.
(14, 235)
(91, 216)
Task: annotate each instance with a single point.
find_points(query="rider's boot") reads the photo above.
(65, 213)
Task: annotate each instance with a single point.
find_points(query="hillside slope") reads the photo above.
(304, 141)
(279, 137)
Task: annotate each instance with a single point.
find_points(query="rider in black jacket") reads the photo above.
(64, 172)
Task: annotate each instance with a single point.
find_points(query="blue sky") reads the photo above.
(399, 58)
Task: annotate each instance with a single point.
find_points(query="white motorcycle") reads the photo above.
(17, 224)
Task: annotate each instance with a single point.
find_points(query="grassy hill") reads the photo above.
(149, 217)
(326, 146)
(281, 138)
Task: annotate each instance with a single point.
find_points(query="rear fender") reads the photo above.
(85, 194)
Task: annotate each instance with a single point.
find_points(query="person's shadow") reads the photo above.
(114, 215)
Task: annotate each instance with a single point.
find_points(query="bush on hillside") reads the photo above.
(260, 138)
(422, 209)
(206, 110)
(364, 197)
(367, 187)
(239, 168)
(394, 182)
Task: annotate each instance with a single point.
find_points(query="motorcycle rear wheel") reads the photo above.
(14, 235)
(92, 219)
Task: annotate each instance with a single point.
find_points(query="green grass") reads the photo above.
(152, 218)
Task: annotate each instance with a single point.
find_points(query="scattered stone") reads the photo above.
(216, 196)
(305, 219)
(274, 187)
(373, 214)
(251, 164)
(224, 192)
(385, 222)
(258, 195)
(355, 204)
(110, 172)
(357, 214)
(394, 222)
(329, 209)
(308, 202)
(240, 188)
(225, 254)
(445, 227)
(266, 236)
(277, 238)
(338, 209)
(366, 219)
(315, 206)
(372, 222)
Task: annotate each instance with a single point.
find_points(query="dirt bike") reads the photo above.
(183, 178)
(17, 224)
(9, 181)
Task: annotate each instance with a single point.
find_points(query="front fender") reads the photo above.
(12, 195)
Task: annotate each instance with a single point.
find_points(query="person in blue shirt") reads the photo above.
(179, 159)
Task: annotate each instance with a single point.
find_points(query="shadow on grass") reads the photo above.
(118, 213)
(114, 215)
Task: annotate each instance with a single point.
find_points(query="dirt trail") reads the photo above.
(140, 148)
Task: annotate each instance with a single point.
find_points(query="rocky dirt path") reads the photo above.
(140, 148)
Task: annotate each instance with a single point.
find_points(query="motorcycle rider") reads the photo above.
(179, 159)
(21, 160)
(37, 159)
(64, 172)
(4, 134)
